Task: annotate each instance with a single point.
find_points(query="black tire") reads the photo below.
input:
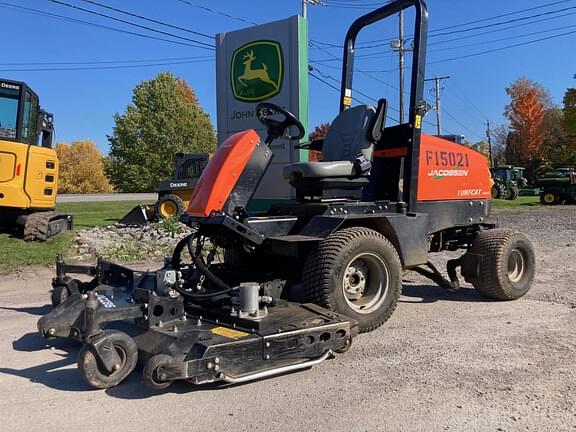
(152, 371)
(508, 264)
(498, 191)
(513, 193)
(169, 206)
(59, 294)
(337, 276)
(94, 374)
(550, 198)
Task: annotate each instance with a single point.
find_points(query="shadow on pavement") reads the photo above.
(33, 310)
(51, 373)
(433, 293)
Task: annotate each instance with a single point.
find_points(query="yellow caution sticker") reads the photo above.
(347, 101)
(228, 332)
(418, 122)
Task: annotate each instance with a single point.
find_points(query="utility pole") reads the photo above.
(437, 81)
(305, 6)
(488, 135)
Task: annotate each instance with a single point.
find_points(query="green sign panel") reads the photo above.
(257, 71)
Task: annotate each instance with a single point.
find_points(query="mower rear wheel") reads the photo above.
(508, 264)
(169, 206)
(152, 373)
(91, 369)
(356, 272)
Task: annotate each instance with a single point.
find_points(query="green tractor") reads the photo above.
(506, 182)
(557, 186)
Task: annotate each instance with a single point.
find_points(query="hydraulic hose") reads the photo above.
(202, 267)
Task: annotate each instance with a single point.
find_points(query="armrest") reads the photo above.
(312, 145)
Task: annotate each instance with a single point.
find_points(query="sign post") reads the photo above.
(269, 63)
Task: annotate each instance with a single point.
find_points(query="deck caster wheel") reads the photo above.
(94, 373)
(63, 289)
(59, 294)
(153, 375)
(508, 264)
(356, 272)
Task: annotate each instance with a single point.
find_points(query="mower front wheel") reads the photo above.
(356, 272)
(507, 265)
(153, 375)
(59, 295)
(93, 371)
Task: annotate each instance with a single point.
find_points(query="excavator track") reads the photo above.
(41, 226)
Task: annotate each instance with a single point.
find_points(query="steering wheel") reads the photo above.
(275, 127)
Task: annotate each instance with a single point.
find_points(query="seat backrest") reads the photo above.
(349, 135)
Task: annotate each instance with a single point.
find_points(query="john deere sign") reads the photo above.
(257, 71)
(268, 62)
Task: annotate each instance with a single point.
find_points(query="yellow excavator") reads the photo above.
(28, 164)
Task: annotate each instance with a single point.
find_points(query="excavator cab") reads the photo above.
(28, 164)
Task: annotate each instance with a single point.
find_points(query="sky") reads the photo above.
(85, 74)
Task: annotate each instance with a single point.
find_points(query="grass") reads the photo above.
(16, 254)
(91, 214)
(521, 202)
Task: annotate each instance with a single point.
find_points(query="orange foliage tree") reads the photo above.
(529, 102)
(318, 133)
(81, 168)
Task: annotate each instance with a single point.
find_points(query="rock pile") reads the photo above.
(123, 243)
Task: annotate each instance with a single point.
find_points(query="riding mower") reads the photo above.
(252, 295)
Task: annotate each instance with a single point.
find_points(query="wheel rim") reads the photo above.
(549, 198)
(516, 266)
(123, 355)
(168, 209)
(365, 283)
(494, 192)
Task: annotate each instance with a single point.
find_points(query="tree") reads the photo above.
(556, 147)
(499, 138)
(570, 113)
(526, 111)
(163, 119)
(81, 168)
(318, 133)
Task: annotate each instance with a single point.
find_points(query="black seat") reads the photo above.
(346, 154)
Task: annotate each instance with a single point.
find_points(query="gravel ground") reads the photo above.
(444, 361)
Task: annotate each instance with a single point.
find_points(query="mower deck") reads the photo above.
(197, 344)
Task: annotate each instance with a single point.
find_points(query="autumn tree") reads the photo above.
(81, 168)
(318, 133)
(526, 111)
(163, 119)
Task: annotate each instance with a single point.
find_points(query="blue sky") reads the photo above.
(84, 101)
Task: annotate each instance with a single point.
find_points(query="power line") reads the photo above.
(147, 19)
(107, 61)
(200, 44)
(462, 125)
(82, 68)
(502, 48)
(434, 33)
(33, 11)
(207, 9)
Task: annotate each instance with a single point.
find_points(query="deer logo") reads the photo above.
(257, 71)
(252, 74)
